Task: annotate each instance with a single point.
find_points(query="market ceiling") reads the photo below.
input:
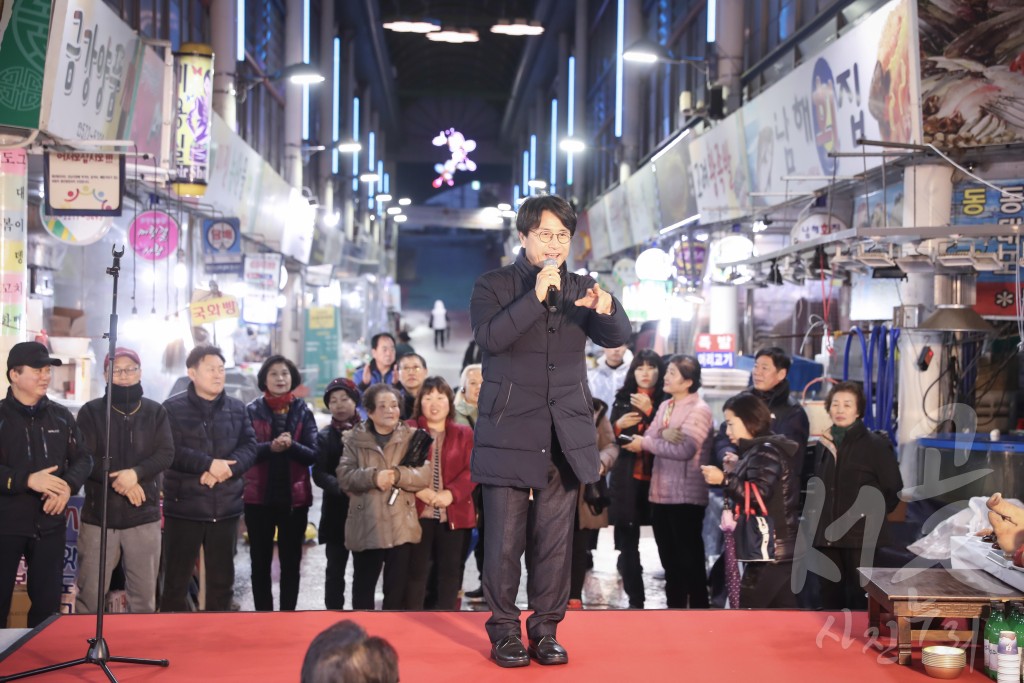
(421, 87)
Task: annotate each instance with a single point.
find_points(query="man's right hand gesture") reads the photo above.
(219, 472)
(46, 483)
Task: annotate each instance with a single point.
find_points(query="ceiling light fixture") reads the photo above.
(349, 146)
(418, 26)
(454, 35)
(518, 27)
(572, 145)
(369, 177)
(404, 201)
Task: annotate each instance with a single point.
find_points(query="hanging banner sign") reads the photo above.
(222, 245)
(24, 30)
(213, 309)
(90, 72)
(719, 173)
(83, 183)
(154, 235)
(863, 85)
(193, 128)
(262, 277)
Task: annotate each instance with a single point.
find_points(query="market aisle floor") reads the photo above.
(603, 588)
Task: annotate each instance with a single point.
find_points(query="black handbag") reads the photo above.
(755, 533)
(595, 495)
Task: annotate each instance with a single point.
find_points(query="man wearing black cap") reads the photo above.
(42, 462)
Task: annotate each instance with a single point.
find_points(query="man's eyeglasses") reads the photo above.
(409, 368)
(125, 372)
(545, 236)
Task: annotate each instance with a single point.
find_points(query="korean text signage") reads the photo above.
(83, 184)
(90, 71)
(154, 235)
(213, 309)
(222, 245)
(861, 86)
(24, 29)
(193, 126)
(13, 219)
(262, 276)
(716, 350)
(322, 345)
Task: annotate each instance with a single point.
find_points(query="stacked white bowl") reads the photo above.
(942, 661)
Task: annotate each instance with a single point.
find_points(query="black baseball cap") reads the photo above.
(32, 354)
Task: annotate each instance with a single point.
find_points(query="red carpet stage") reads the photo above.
(656, 645)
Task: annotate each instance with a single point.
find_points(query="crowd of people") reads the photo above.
(214, 460)
(531, 450)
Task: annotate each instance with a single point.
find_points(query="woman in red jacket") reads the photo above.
(446, 511)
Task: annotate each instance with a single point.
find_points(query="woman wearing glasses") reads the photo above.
(141, 448)
(277, 488)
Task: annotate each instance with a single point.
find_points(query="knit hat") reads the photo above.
(342, 384)
(121, 351)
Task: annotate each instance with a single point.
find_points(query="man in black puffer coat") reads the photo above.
(535, 435)
(214, 445)
(141, 448)
(42, 462)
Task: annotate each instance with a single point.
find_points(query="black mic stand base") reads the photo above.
(99, 653)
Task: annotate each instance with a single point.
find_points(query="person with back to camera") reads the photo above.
(680, 439)
(445, 507)
(632, 414)
(766, 462)
(343, 653)
(341, 398)
(43, 461)
(141, 448)
(535, 433)
(380, 533)
(439, 323)
(278, 493)
(850, 461)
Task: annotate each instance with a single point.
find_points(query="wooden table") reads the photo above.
(909, 595)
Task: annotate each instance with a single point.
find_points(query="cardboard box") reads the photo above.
(67, 322)
(18, 616)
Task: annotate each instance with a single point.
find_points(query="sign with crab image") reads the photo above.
(972, 72)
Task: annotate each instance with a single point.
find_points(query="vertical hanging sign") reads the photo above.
(13, 219)
(194, 122)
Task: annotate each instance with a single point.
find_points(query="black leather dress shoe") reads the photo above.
(510, 653)
(546, 650)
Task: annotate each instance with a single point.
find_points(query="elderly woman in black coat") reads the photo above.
(857, 482)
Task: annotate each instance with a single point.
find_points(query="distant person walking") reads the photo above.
(439, 323)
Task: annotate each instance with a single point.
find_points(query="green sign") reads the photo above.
(321, 349)
(24, 31)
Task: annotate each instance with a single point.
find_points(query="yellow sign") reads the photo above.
(321, 317)
(194, 124)
(214, 309)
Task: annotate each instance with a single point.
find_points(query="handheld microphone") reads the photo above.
(551, 300)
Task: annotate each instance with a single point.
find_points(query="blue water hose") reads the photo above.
(879, 391)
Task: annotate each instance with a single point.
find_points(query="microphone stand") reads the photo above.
(99, 653)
